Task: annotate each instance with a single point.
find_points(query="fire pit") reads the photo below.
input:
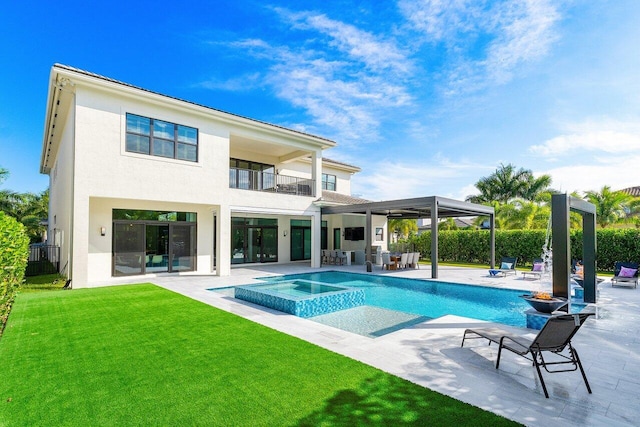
(543, 302)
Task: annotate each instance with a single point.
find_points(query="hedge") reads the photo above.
(472, 246)
(14, 254)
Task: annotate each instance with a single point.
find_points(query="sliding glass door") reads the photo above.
(254, 240)
(153, 242)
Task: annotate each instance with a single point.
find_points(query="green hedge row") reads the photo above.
(472, 246)
(14, 254)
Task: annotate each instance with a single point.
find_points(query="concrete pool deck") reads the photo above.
(429, 353)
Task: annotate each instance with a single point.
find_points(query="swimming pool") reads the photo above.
(427, 298)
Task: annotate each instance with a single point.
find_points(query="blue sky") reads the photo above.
(426, 96)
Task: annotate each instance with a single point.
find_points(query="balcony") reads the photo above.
(266, 181)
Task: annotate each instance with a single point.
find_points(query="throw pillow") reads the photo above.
(627, 272)
(537, 266)
(506, 266)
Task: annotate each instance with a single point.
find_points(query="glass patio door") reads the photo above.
(183, 248)
(300, 243)
(128, 249)
(157, 248)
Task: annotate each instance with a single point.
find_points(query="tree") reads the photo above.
(611, 206)
(508, 183)
(403, 227)
(28, 208)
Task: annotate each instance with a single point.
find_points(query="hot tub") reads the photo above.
(303, 298)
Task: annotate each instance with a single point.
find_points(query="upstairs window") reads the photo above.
(328, 182)
(160, 138)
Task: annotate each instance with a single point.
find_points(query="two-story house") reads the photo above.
(143, 183)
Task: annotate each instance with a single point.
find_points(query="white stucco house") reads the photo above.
(143, 183)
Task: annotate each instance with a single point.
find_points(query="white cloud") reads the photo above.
(390, 179)
(525, 33)
(598, 136)
(616, 172)
(485, 42)
(344, 85)
(373, 51)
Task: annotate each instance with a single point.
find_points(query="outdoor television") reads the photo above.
(354, 233)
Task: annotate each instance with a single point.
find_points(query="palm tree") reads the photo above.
(522, 214)
(403, 227)
(611, 206)
(508, 183)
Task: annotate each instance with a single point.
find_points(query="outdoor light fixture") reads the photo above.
(103, 231)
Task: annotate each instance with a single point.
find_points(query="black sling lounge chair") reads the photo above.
(554, 337)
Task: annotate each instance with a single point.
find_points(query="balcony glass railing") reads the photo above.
(266, 181)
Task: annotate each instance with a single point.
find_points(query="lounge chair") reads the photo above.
(507, 266)
(554, 337)
(625, 274)
(536, 270)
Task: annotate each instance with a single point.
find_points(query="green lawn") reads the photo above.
(141, 355)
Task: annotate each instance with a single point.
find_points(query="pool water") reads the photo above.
(427, 298)
(301, 288)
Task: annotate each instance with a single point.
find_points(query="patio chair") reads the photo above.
(507, 266)
(325, 257)
(554, 337)
(403, 260)
(409, 260)
(416, 260)
(386, 260)
(625, 274)
(536, 270)
(341, 257)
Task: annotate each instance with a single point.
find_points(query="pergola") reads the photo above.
(433, 207)
(561, 206)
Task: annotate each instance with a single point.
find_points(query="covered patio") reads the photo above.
(433, 207)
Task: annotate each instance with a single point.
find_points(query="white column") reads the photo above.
(316, 172)
(316, 239)
(223, 241)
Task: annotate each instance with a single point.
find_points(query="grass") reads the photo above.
(142, 355)
(45, 282)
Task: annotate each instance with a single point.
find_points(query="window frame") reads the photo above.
(325, 182)
(178, 141)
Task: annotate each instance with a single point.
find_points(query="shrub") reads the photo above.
(14, 253)
(472, 246)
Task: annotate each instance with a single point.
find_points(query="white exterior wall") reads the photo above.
(61, 197)
(302, 169)
(91, 173)
(108, 177)
(353, 220)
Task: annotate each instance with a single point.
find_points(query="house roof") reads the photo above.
(331, 198)
(341, 164)
(632, 191)
(61, 88)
